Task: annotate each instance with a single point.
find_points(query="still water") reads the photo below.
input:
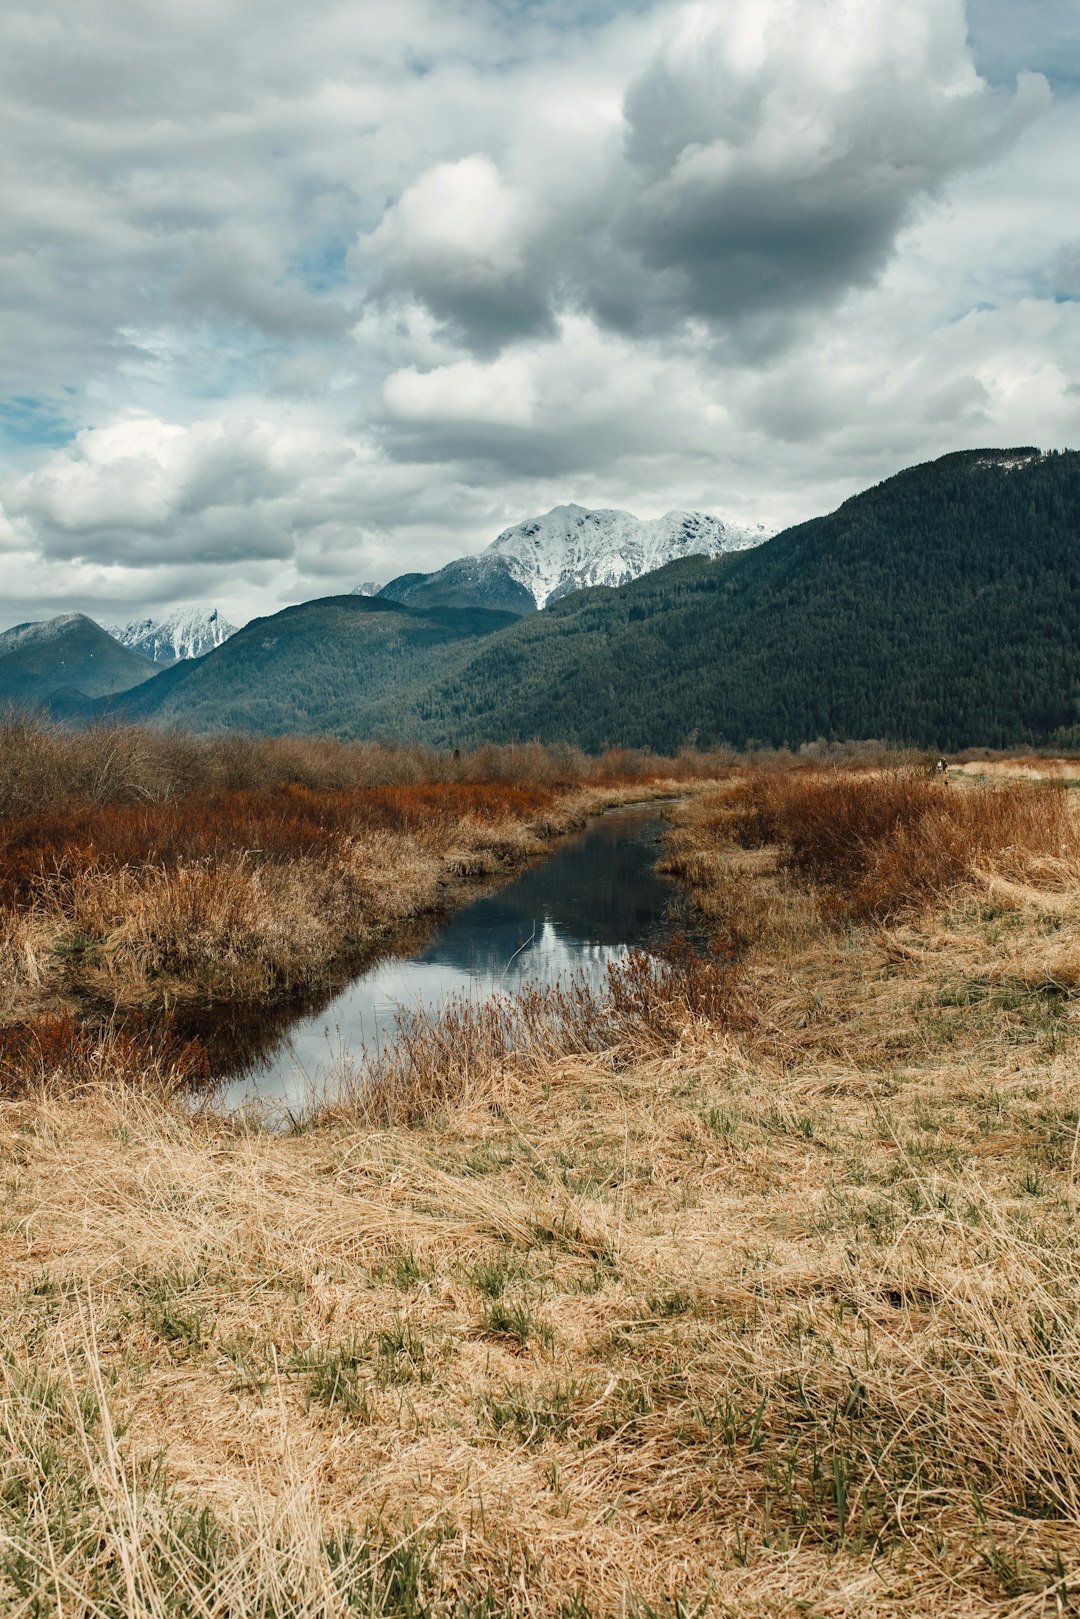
(573, 913)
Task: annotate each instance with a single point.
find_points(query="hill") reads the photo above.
(65, 660)
(353, 665)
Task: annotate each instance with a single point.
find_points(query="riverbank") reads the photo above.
(236, 873)
(763, 1300)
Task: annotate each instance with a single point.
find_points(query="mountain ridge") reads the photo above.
(570, 548)
(573, 547)
(940, 607)
(187, 632)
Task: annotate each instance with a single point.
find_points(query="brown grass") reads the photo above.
(42, 764)
(167, 868)
(748, 1292)
(466, 1052)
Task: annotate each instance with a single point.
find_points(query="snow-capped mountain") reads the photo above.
(189, 632)
(539, 561)
(572, 547)
(367, 587)
(68, 657)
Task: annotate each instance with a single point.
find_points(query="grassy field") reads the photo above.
(750, 1287)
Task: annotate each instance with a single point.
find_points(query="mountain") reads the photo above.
(483, 581)
(63, 660)
(354, 665)
(189, 632)
(570, 548)
(941, 607)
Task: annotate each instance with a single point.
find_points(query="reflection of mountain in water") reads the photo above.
(507, 955)
(572, 913)
(599, 890)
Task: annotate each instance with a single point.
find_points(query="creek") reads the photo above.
(596, 896)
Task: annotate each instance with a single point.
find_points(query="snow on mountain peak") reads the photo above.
(189, 632)
(38, 631)
(572, 547)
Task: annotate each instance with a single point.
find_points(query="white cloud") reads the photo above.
(148, 491)
(290, 297)
(770, 152)
(457, 219)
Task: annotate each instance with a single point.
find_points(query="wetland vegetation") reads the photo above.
(746, 1283)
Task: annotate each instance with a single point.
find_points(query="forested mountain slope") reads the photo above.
(483, 581)
(354, 665)
(941, 607)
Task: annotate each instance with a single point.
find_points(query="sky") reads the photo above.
(296, 296)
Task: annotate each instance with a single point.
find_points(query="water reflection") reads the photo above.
(576, 911)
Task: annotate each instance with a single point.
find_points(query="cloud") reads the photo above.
(584, 399)
(771, 152)
(781, 147)
(145, 491)
(459, 237)
(291, 298)
(232, 272)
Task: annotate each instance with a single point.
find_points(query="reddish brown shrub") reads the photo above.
(56, 1049)
(874, 844)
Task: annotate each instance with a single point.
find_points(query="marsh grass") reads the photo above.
(139, 870)
(468, 1050)
(765, 1300)
(872, 844)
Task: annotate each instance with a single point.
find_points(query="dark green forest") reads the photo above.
(941, 607)
(353, 665)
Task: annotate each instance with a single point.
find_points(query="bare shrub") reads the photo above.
(55, 1053)
(42, 763)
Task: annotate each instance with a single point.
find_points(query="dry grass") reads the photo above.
(765, 1303)
(462, 1054)
(166, 868)
(253, 919)
(43, 764)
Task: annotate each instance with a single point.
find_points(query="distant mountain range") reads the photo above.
(69, 663)
(540, 561)
(941, 607)
(523, 569)
(66, 662)
(189, 632)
